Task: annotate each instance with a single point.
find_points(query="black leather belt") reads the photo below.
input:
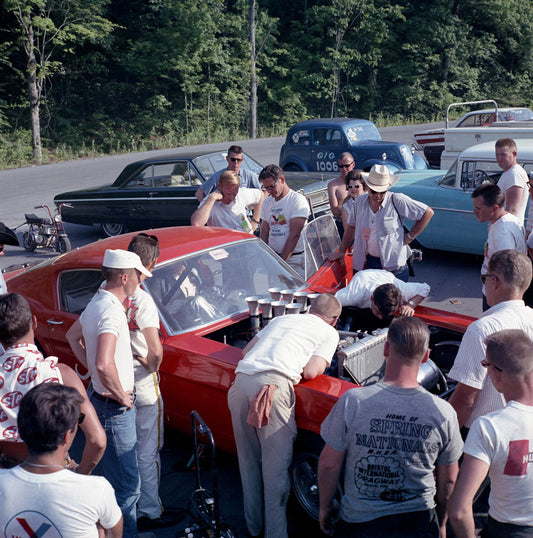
(105, 399)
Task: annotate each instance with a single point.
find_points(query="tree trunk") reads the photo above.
(253, 75)
(33, 88)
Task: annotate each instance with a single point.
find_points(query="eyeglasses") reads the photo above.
(81, 418)
(236, 159)
(270, 187)
(484, 277)
(346, 165)
(487, 364)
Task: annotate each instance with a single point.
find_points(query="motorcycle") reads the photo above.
(45, 232)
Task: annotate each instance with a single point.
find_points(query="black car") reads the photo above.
(159, 191)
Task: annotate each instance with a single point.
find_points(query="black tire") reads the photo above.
(63, 244)
(28, 242)
(292, 167)
(304, 473)
(112, 230)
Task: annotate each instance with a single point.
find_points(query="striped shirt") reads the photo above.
(467, 367)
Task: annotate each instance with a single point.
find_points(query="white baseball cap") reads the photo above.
(124, 259)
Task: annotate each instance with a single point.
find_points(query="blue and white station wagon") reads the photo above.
(454, 226)
(315, 145)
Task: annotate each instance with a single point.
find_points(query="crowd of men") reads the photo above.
(397, 445)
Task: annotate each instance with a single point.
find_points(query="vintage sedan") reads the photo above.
(315, 145)
(159, 191)
(454, 226)
(201, 285)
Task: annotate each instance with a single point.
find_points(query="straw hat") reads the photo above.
(379, 178)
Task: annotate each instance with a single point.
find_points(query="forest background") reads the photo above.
(89, 77)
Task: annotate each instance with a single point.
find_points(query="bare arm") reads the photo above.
(419, 226)
(408, 310)
(347, 240)
(107, 369)
(77, 344)
(95, 438)
(471, 476)
(314, 367)
(463, 401)
(513, 197)
(446, 477)
(202, 214)
(265, 229)
(334, 203)
(153, 359)
(200, 194)
(295, 229)
(329, 470)
(256, 211)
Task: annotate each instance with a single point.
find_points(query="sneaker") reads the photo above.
(166, 519)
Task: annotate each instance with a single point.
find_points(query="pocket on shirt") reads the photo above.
(390, 225)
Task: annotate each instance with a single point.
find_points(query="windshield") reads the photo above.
(449, 178)
(363, 131)
(210, 163)
(518, 114)
(212, 285)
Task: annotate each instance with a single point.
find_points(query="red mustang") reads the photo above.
(200, 285)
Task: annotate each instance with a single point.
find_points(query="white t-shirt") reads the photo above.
(278, 214)
(507, 232)
(467, 367)
(504, 440)
(142, 314)
(3, 287)
(234, 215)
(363, 284)
(287, 343)
(62, 504)
(516, 175)
(22, 367)
(106, 315)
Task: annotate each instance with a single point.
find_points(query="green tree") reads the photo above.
(46, 26)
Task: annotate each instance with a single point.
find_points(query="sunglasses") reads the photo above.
(236, 159)
(346, 165)
(487, 364)
(270, 187)
(484, 277)
(81, 418)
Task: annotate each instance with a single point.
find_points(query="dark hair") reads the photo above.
(387, 299)
(345, 155)
(15, 318)
(235, 149)
(355, 175)
(47, 412)
(409, 336)
(146, 247)
(270, 171)
(491, 194)
(512, 267)
(512, 351)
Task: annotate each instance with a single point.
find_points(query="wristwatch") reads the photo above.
(411, 303)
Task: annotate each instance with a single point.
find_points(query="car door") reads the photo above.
(328, 143)
(161, 194)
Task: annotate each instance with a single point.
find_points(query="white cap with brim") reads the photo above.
(379, 178)
(124, 259)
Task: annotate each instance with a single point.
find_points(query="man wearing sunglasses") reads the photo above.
(283, 217)
(501, 444)
(509, 274)
(504, 230)
(337, 188)
(234, 158)
(23, 366)
(41, 494)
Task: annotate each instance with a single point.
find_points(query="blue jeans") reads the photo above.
(119, 463)
(402, 273)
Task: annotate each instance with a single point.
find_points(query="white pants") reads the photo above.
(149, 425)
(265, 454)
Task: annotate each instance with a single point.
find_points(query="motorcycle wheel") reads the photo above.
(63, 244)
(28, 242)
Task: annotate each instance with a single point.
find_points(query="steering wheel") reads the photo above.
(480, 176)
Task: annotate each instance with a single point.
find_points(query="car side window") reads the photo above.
(474, 173)
(183, 175)
(77, 287)
(327, 137)
(300, 137)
